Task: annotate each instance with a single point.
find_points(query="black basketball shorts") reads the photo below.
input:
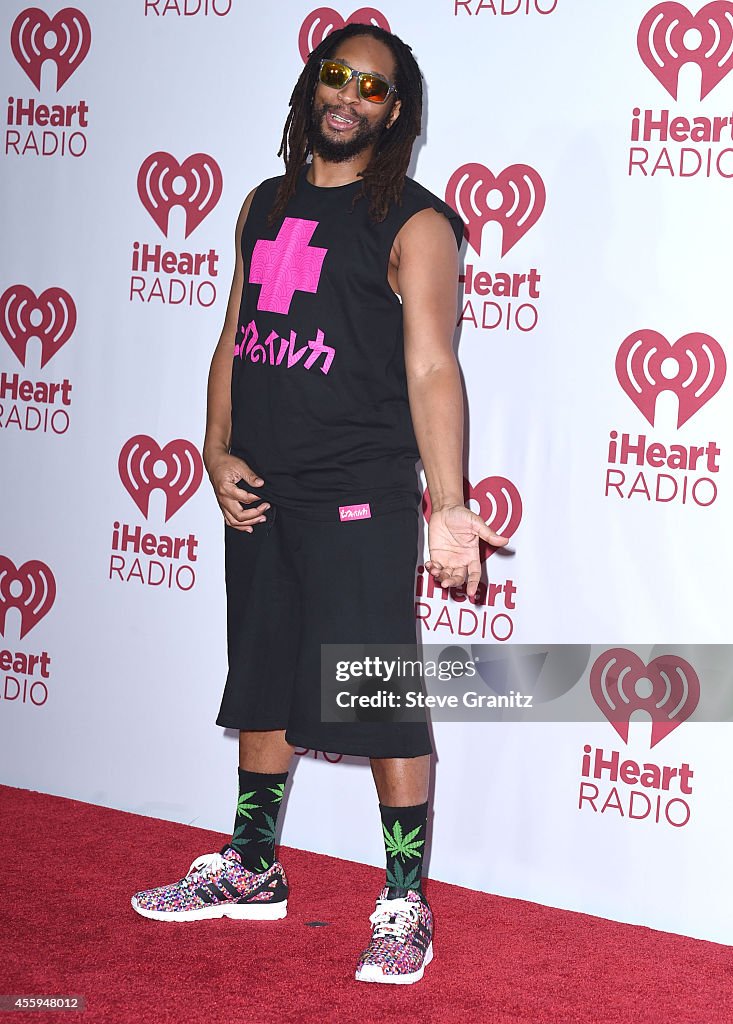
(296, 583)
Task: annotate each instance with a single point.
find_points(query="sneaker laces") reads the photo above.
(393, 919)
(207, 865)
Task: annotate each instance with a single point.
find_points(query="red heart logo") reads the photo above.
(64, 39)
(500, 506)
(323, 21)
(701, 368)
(662, 47)
(200, 191)
(55, 315)
(35, 592)
(181, 475)
(519, 203)
(674, 695)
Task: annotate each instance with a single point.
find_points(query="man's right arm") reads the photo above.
(224, 469)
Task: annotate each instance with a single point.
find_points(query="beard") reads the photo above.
(334, 151)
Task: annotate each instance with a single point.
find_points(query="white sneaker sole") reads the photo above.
(237, 911)
(371, 972)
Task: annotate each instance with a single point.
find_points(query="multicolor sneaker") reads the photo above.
(402, 940)
(217, 885)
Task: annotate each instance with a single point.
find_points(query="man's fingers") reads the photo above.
(474, 578)
(246, 526)
(452, 576)
(235, 505)
(445, 572)
(487, 534)
(230, 490)
(236, 526)
(456, 575)
(248, 474)
(243, 515)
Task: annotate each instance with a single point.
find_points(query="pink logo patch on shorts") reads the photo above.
(347, 512)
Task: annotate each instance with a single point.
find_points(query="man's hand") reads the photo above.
(453, 537)
(224, 472)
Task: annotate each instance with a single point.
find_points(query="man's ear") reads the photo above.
(393, 114)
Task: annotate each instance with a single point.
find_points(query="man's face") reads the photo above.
(345, 125)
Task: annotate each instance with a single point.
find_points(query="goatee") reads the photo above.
(333, 151)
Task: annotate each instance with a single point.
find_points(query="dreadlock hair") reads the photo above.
(384, 177)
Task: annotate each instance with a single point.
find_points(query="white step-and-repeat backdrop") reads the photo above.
(589, 149)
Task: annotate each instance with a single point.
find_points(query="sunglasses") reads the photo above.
(336, 74)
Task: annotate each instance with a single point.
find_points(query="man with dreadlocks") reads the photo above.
(341, 316)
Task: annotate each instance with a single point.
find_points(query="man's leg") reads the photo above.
(243, 880)
(402, 787)
(264, 760)
(402, 934)
(401, 781)
(264, 751)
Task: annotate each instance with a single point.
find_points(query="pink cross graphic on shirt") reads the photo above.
(286, 265)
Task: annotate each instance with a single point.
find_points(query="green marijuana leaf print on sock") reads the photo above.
(255, 825)
(403, 830)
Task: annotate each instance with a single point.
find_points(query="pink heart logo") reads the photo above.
(179, 477)
(31, 588)
(500, 506)
(54, 313)
(662, 46)
(518, 201)
(699, 375)
(65, 39)
(673, 696)
(199, 188)
(324, 20)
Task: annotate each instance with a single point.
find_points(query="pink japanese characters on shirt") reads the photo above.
(283, 266)
(276, 350)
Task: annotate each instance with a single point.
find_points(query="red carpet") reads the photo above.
(68, 927)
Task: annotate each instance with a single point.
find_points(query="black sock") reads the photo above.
(260, 797)
(404, 829)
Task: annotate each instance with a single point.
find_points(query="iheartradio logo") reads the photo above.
(50, 317)
(324, 20)
(64, 39)
(144, 467)
(31, 588)
(195, 186)
(513, 199)
(671, 684)
(693, 368)
(670, 36)
(499, 505)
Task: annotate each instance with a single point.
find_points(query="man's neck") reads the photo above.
(329, 175)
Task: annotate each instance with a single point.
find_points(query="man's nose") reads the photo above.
(350, 92)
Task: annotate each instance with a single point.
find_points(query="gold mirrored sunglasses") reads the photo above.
(372, 87)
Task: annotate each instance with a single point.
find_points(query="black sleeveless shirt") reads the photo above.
(319, 391)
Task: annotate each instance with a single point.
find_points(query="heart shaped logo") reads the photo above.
(31, 588)
(514, 199)
(500, 506)
(699, 374)
(673, 685)
(324, 20)
(662, 46)
(65, 39)
(180, 471)
(50, 317)
(195, 186)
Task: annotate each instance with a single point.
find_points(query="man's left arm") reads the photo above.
(427, 277)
